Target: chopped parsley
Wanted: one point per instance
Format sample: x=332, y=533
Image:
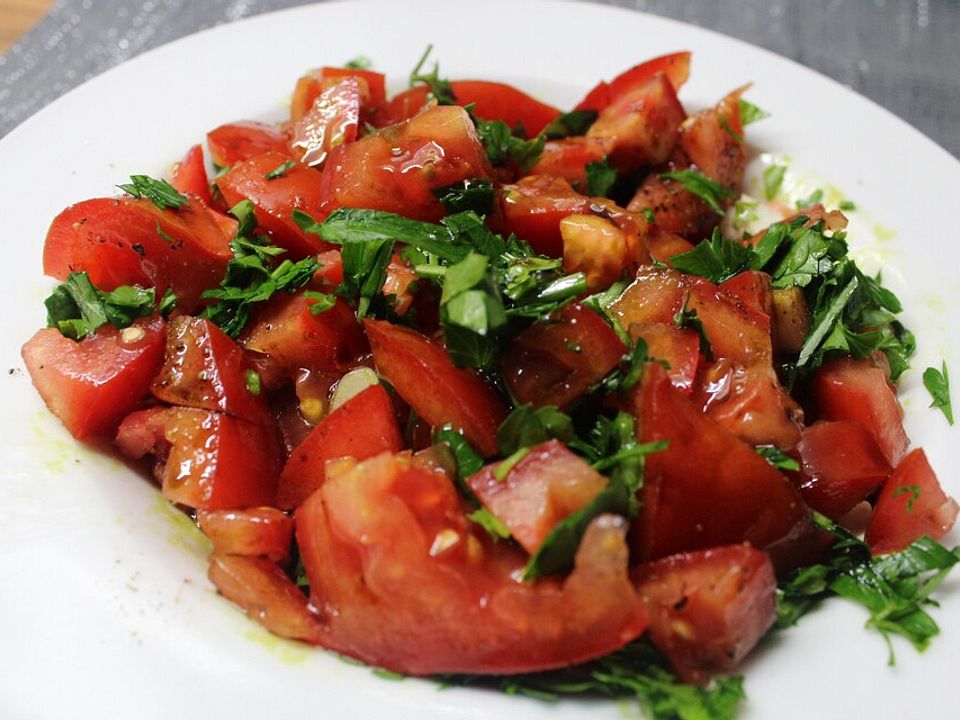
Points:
x=475, y=194
x=77, y=309
x=688, y=319
x=441, y=90
x=253, y=382
x=576, y=122
x=159, y=192
x=777, y=457
x=491, y=523
x=937, y=383
x=600, y=178
x=712, y=193
x=360, y=62
x=717, y=259
x=280, y=170
x=773, y=179
x=750, y=113
x=526, y=426
x=812, y=199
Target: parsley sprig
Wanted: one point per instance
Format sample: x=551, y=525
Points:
x=937, y=383
x=159, y=192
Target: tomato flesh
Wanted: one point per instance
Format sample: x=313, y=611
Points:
x=676, y=66
x=406, y=580
x=205, y=460
x=405, y=358
x=546, y=486
x=708, y=609
x=203, y=368
x=190, y=175
x=90, y=385
x=533, y=208
x=362, y=427
x=239, y=141
x=257, y=532
x=911, y=504
x=333, y=119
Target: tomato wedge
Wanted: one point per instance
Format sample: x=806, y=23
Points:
x=407, y=580
x=262, y=531
x=205, y=460
x=405, y=359
x=333, y=119
x=190, y=175
x=90, y=385
x=708, y=609
x=362, y=427
x=676, y=66
x=235, y=142
x=911, y=504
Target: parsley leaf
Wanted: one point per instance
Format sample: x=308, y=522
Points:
x=712, y=193
x=253, y=275
x=773, y=179
x=468, y=460
x=636, y=670
x=600, y=178
x=77, y=309
x=937, y=383
x=503, y=146
x=280, y=170
x=476, y=194
x=322, y=301
x=440, y=89
x=360, y=62
x=777, y=457
x=159, y=192
x=526, y=426
x=253, y=383
x=688, y=319
x=472, y=313
x=576, y=122
x=490, y=522
x=815, y=197
x=717, y=259
x=750, y=113
x=894, y=588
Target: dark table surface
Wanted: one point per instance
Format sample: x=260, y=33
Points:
x=903, y=54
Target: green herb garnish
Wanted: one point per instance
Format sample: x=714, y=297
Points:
x=159, y=192
x=712, y=193
x=77, y=309
x=937, y=383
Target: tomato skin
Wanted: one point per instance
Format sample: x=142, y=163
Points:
x=117, y=241
x=664, y=245
x=546, y=486
x=407, y=580
x=266, y=594
x=675, y=210
x=190, y=175
x=294, y=337
x=90, y=385
x=753, y=290
x=910, y=505
x=708, y=609
x=533, y=208
x=858, y=390
x=641, y=127
x=709, y=143
x=203, y=368
x=397, y=169
x=299, y=188
x=404, y=358
x=707, y=488
x=680, y=348
x=362, y=427
x=260, y=531
x=554, y=361
x=239, y=141
x=676, y=66
x=205, y=460
x=568, y=158
x=334, y=118
x=842, y=465
x=311, y=85
x=492, y=100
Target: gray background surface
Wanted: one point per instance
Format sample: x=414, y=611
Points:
x=903, y=54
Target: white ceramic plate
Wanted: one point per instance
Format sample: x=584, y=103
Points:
x=105, y=610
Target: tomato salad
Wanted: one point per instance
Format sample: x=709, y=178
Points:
x=460, y=384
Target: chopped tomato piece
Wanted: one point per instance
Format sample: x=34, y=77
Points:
x=205, y=459
x=911, y=504
x=679, y=348
x=753, y=291
x=362, y=427
x=261, y=531
x=554, y=361
x=534, y=207
x=707, y=488
x=332, y=120
x=546, y=486
x=568, y=158
x=190, y=175
x=675, y=209
x=407, y=580
x=405, y=359
x=664, y=245
x=642, y=125
x=90, y=385
x=235, y=142
x=600, y=249
x=204, y=368
x=491, y=101
x=398, y=168
x=287, y=331
x=676, y=66
x=713, y=141
x=748, y=400
x=266, y=594
x=373, y=85
x=842, y=465
x=122, y=241
x=274, y=200
x=858, y=390
x=708, y=609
